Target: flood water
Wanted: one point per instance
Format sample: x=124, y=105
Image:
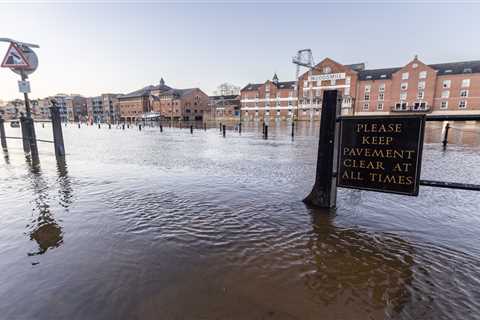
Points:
x=149, y=225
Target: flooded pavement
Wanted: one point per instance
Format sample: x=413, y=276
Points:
x=150, y=225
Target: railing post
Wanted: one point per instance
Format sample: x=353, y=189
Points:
x=324, y=192
x=57, y=132
x=2, y=133
x=445, y=137
x=23, y=125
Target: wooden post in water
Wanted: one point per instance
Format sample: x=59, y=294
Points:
x=140, y=127
x=224, y=130
x=191, y=128
x=23, y=124
x=240, y=128
x=57, y=132
x=324, y=192
x=445, y=137
x=220, y=127
x=265, y=132
x=2, y=134
x=161, y=128
x=205, y=126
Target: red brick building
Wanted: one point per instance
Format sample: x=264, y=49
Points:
x=270, y=100
x=447, y=88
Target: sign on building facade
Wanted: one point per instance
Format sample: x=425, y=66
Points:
x=381, y=153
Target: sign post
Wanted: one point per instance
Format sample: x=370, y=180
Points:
x=324, y=192
x=23, y=61
x=381, y=153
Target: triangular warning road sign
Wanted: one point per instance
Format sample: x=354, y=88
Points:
x=15, y=58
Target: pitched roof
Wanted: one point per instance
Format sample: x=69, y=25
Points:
x=457, y=67
x=376, y=74
x=280, y=85
x=227, y=97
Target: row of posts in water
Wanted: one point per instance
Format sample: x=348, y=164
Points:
x=222, y=127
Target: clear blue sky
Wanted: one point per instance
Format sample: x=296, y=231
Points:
x=98, y=48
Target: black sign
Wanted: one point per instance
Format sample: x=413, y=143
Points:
x=381, y=153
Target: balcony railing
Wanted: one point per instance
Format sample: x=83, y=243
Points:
x=425, y=109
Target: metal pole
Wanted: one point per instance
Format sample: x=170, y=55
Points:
x=57, y=132
x=2, y=133
x=25, y=138
x=445, y=137
x=324, y=191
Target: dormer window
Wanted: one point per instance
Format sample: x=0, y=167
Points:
x=368, y=77
x=405, y=76
x=327, y=70
x=448, y=71
x=467, y=70
x=383, y=76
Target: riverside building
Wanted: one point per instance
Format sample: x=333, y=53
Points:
x=446, y=88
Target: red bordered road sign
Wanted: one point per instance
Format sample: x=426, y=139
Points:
x=15, y=58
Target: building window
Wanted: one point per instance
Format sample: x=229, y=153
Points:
x=403, y=96
x=318, y=92
x=267, y=89
x=367, y=96
x=347, y=91
x=444, y=104
x=421, y=85
x=305, y=84
x=421, y=94
x=446, y=84
x=422, y=74
x=367, y=88
x=445, y=94
x=420, y=106
x=462, y=104
x=401, y=106
x=380, y=106
x=333, y=82
x=405, y=76
x=381, y=96
x=366, y=106
x=381, y=88
x=327, y=70
x=463, y=93
x=465, y=83
x=404, y=86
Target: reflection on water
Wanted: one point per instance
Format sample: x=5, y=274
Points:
x=44, y=229
x=150, y=225
x=371, y=270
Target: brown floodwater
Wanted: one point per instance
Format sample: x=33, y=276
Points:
x=149, y=225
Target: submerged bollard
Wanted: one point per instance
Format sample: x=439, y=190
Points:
x=191, y=129
x=445, y=137
x=205, y=126
x=265, y=135
x=79, y=125
x=23, y=124
x=99, y=126
x=2, y=133
x=140, y=127
x=161, y=128
x=240, y=128
x=224, y=130
x=293, y=129
x=220, y=127
x=43, y=125
x=123, y=126
x=57, y=132
x=109, y=126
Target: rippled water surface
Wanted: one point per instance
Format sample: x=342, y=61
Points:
x=149, y=225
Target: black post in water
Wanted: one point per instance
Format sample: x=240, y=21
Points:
x=109, y=126
x=224, y=130
x=161, y=128
x=263, y=127
x=445, y=137
x=324, y=192
x=265, y=135
x=32, y=140
x=99, y=126
x=57, y=131
x=205, y=126
x=293, y=129
x=220, y=127
x=140, y=127
x=240, y=128
x=23, y=125
x=2, y=134
x=43, y=125
x=191, y=129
